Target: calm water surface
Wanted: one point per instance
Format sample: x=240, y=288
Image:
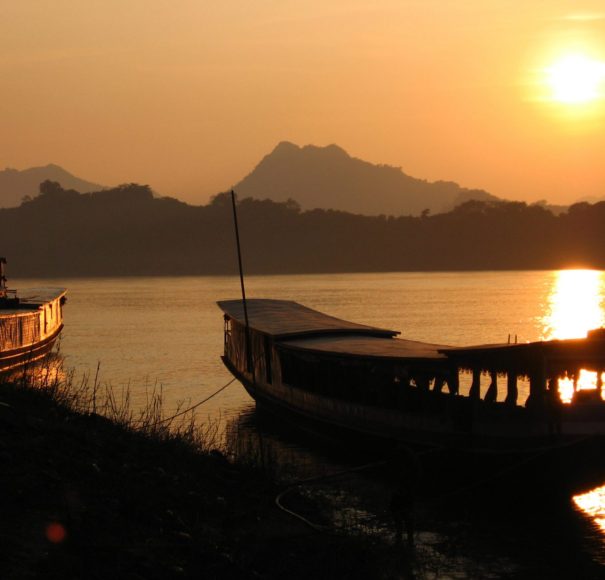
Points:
x=167, y=332
x=149, y=333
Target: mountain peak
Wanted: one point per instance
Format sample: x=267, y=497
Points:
x=285, y=147
x=329, y=178
x=288, y=148
x=15, y=184
x=328, y=149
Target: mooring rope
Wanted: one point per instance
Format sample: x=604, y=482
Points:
x=315, y=479
x=188, y=409
x=316, y=527
x=199, y=404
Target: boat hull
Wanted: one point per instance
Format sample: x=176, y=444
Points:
x=395, y=426
x=366, y=387
x=30, y=323
x=15, y=358
x=576, y=463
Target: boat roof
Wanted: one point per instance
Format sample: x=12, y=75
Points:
x=369, y=347
x=561, y=354
x=32, y=298
x=522, y=358
x=40, y=295
x=285, y=318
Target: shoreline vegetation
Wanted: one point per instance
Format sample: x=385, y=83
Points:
x=93, y=490
x=87, y=235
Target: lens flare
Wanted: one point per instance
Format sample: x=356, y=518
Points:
x=55, y=533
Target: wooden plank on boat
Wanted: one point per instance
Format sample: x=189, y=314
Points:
x=285, y=318
x=369, y=347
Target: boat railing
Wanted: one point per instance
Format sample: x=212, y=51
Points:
x=226, y=335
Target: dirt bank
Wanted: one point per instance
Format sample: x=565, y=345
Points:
x=83, y=497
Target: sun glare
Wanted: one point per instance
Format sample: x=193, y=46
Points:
x=575, y=307
x=574, y=304
x=576, y=79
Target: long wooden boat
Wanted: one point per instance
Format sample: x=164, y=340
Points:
x=31, y=320
x=366, y=382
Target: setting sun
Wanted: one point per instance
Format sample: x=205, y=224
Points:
x=576, y=79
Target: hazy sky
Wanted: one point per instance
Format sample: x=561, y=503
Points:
x=188, y=95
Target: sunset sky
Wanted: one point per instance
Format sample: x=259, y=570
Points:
x=188, y=95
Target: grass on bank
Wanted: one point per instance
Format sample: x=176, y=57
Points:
x=92, y=489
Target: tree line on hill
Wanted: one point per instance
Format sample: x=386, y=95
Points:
x=128, y=231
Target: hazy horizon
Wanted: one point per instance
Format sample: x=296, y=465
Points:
x=188, y=98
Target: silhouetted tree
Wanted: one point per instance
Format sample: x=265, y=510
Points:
x=50, y=187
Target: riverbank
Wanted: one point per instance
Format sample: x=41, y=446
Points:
x=88, y=497
x=114, y=494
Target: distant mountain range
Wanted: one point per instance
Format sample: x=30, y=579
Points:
x=314, y=177
x=329, y=178
x=15, y=184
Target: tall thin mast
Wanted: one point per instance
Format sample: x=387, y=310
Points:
x=241, y=279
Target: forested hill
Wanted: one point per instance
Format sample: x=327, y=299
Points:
x=128, y=231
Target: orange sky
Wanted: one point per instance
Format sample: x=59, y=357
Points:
x=188, y=95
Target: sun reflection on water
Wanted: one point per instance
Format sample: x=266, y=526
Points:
x=592, y=504
x=575, y=306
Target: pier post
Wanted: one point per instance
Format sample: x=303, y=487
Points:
x=552, y=388
x=537, y=389
x=553, y=407
x=475, y=392
x=492, y=392
x=575, y=381
x=512, y=392
x=438, y=384
x=422, y=381
x=453, y=383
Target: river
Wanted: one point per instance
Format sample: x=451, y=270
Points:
x=142, y=334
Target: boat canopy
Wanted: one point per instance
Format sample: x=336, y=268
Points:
x=30, y=299
x=553, y=355
x=369, y=347
x=40, y=295
x=285, y=318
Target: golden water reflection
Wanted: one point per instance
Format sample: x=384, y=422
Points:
x=592, y=504
x=575, y=306
x=42, y=374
